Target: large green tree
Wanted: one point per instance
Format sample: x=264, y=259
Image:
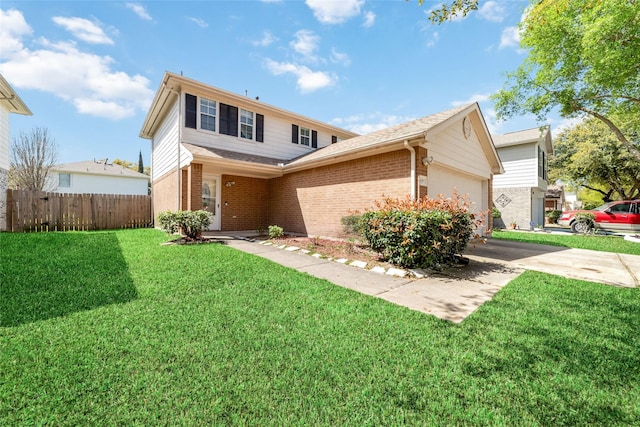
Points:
x=590, y=156
x=583, y=60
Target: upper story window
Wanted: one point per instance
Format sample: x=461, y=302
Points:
x=542, y=164
x=64, y=180
x=246, y=124
x=207, y=114
x=222, y=118
x=305, y=136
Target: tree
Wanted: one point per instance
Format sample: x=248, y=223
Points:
x=590, y=156
x=140, y=164
x=448, y=12
x=583, y=59
x=33, y=156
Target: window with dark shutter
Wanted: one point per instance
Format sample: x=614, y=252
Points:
x=259, y=127
x=314, y=139
x=190, y=110
x=334, y=139
x=294, y=134
x=228, y=120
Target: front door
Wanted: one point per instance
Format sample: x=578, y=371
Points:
x=210, y=199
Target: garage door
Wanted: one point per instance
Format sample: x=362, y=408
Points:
x=443, y=181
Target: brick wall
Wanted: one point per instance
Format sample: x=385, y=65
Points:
x=518, y=209
x=194, y=186
x=313, y=201
x=164, y=192
x=245, y=204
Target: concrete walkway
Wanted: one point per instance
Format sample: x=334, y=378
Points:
x=457, y=292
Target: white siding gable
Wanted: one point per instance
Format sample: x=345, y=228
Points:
x=100, y=184
x=449, y=148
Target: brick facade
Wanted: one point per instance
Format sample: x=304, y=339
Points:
x=164, y=193
x=314, y=201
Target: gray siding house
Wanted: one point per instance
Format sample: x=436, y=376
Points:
x=519, y=192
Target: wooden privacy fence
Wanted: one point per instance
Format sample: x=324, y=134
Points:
x=40, y=211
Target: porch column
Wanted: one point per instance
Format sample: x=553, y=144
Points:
x=194, y=200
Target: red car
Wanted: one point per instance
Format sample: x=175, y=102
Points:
x=623, y=215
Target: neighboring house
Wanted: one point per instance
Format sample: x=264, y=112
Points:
x=10, y=102
x=96, y=177
x=253, y=165
x=519, y=192
x=554, y=198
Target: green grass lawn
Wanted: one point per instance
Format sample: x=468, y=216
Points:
x=604, y=243
x=114, y=328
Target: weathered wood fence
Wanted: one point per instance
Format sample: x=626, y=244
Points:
x=40, y=211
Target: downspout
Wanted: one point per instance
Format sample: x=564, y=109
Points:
x=413, y=168
x=179, y=193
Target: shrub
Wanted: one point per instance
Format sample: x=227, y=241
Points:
x=586, y=217
x=553, y=216
x=189, y=223
x=351, y=224
x=495, y=213
x=420, y=233
x=275, y=232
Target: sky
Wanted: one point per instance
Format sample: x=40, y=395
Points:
x=88, y=70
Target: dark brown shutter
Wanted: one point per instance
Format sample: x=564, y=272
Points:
x=259, y=127
x=334, y=139
x=190, y=110
x=228, y=120
x=314, y=139
x=294, y=134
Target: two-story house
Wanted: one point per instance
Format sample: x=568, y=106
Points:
x=97, y=177
x=10, y=102
x=253, y=165
x=519, y=193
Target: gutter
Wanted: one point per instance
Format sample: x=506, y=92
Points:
x=413, y=168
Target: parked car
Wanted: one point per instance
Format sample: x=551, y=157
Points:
x=623, y=215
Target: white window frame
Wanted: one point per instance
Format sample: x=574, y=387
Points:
x=209, y=105
x=247, y=124
x=305, y=135
x=60, y=180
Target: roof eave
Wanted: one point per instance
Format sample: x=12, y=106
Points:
x=9, y=97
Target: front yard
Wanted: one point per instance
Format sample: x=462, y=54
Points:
x=113, y=328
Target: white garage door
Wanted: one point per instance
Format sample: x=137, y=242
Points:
x=443, y=181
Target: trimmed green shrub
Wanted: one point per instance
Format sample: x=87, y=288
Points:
x=189, y=223
x=351, y=224
x=495, y=213
x=420, y=233
x=553, y=215
x=275, y=232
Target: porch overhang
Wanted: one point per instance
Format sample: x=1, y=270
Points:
x=233, y=163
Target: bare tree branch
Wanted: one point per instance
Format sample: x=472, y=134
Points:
x=33, y=156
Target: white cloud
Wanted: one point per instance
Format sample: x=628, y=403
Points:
x=492, y=11
x=83, y=29
x=198, y=21
x=335, y=11
x=84, y=79
x=12, y=28
x=308, y=80
x=476, y=97
x=139, y=10
x=510, y=38
x=266, y=40
x=557, y=126
x=435, y=36
x=369, y=19
x=340, y=58
x=371, y=122
x=306, y=44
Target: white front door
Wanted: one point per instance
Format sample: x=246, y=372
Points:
x=210, y=199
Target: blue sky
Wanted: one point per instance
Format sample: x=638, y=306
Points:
x=89, y=69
